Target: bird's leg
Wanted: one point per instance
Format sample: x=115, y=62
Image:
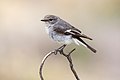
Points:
x=60, y=49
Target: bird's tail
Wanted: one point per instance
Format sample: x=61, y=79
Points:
x=79, y=41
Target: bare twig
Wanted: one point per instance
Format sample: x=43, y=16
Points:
x=42, y=63
x=68, y=56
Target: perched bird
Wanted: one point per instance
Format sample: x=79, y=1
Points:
x=61, y=31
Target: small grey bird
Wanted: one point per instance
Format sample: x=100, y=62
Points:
x=61, y=31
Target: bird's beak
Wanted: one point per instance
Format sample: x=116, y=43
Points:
x=44, y=20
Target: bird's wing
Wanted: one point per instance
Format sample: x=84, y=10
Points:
x=69, y=30
x=59, y=29
x=76, y=33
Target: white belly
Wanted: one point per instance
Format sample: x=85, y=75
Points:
x=65, y=39
x=62, y=38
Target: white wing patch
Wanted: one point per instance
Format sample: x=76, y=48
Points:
x=72, y=31
x=78, y=42
x=68, y=30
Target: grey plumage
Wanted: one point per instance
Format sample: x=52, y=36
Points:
x=61, y=31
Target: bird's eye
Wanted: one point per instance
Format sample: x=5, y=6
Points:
x=50, y=19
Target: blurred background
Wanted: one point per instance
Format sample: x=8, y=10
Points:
x=24, y=42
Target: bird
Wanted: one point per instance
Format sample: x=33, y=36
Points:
x=61, y=31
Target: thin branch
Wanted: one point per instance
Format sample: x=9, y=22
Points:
x=68, y=56
x=42, y=63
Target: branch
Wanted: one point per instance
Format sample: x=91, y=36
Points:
x=68, y=56
x=42, y=63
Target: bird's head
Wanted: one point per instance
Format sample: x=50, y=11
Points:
x=50, y=19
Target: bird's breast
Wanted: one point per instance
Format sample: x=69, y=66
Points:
x=59, y=37
x=47, y=30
